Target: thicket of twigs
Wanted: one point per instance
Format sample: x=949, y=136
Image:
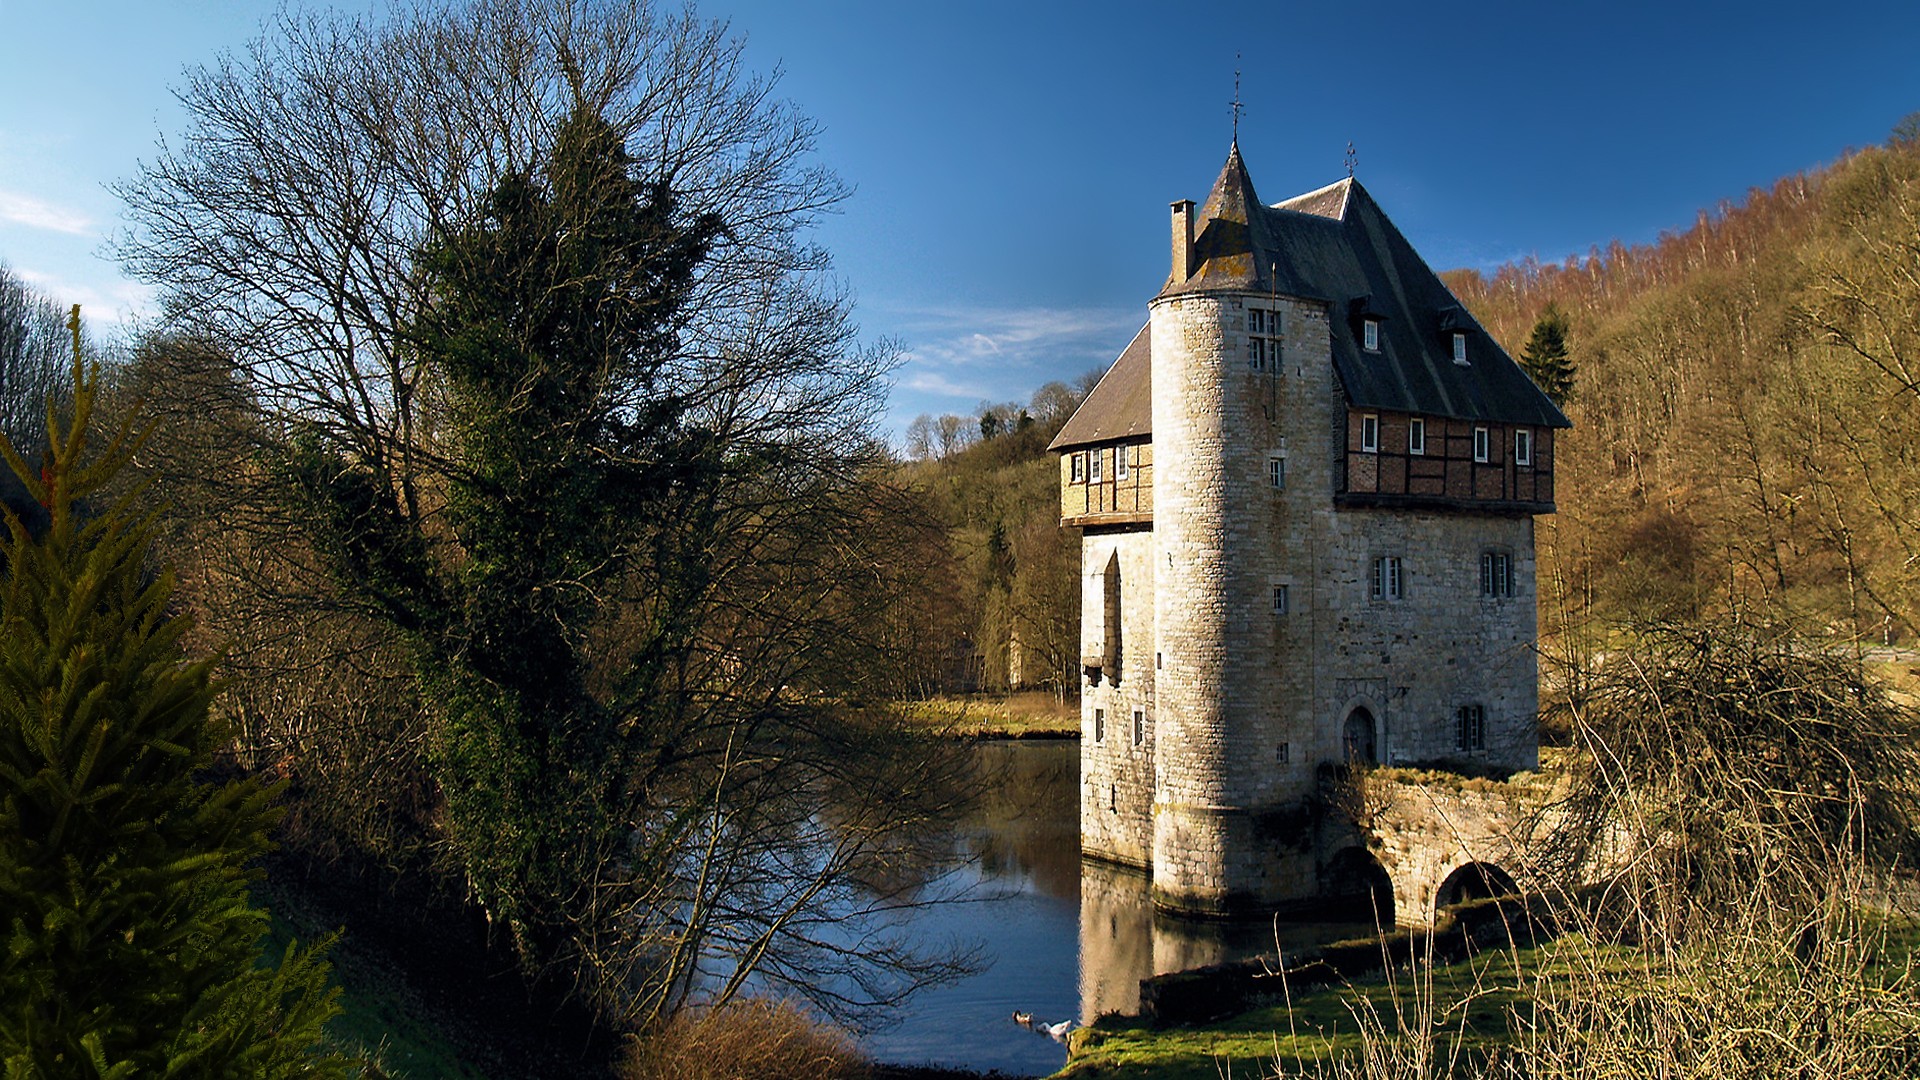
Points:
x=1733, y=843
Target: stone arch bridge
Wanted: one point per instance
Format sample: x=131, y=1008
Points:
x=1425, y=840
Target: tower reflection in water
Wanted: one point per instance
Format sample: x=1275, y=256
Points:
x=1122, y=940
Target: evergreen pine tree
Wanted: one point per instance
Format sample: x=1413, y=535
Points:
x=128, y=946
x=1546, y=357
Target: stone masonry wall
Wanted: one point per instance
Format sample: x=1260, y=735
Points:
x=1116, y=771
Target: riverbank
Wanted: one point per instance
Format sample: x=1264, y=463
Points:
x=1564, y=1002
x=1028, y=714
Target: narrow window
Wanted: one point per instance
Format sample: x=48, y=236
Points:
x=1279, y=599
x=1079, y=467
x=1159, y=661
x=1093, y=465
x=1369, y=434
x=1496, y=574
x=1139, y=726
x=1416, y=436
x=1255, y=352
x=1099, y=725
x=1480, y=446
x=1523, y=446
x=1384, y=580
x=1120, y=456
x=1460, y=349
x=1256, y=321
x=1277, y=473
x=1470, y=728
x=1370, y=334
x=1283, y=753
x=1113, y=796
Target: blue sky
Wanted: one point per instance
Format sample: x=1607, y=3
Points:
x=1013, y=162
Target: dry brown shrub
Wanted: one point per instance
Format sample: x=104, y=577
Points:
x=745, y=1039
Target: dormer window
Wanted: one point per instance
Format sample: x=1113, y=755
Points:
x=1460, y=348
x=1370, y=334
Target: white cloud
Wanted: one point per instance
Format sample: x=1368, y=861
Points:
x=117, y=302
x=998, y=342
x=36, y=214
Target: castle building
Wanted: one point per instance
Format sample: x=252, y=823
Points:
x=1306, y=492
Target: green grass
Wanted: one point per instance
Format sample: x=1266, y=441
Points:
x=1465, y=1004
x=1468, y=1009
x=380, y=1019
x=1029, y=714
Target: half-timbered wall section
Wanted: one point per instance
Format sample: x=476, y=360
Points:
x=1397, y=459
x=1107, y=485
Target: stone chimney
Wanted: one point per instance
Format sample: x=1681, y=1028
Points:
x=1182, y=241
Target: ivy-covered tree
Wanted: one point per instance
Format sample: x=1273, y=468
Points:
x=1546, y=358
x=128, y=945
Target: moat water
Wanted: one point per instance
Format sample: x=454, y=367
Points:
x=1061, y=937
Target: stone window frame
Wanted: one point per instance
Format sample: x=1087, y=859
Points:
x=1470, y=728
x=1277, y=471
x=1139, y=726
x=1417, y=426
x=1099, y=725
x=1369, y=433
x=1386, y=579
x=1282, y=598
x=1496, y=574
x=1523, y=446
x=1482, y=444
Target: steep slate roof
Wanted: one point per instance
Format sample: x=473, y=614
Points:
x=1336, y=244
x=1121, y=404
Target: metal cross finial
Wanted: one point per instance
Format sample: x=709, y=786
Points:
x=1352, y=159
x=1237, y=104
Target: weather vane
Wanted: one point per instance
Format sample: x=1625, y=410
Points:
x=1236, y=103
x=1352, y=159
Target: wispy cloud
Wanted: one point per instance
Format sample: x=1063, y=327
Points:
x=117, y=302
x=958, y=357
x=37, y=214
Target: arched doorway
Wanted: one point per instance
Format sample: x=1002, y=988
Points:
x=1357, y=888
x=1474, y=881
x=1357, y=738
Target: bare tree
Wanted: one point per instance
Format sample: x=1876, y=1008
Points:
x=33, y=338
x=749, y=589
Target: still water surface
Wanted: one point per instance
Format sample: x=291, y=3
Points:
x=1063, y=938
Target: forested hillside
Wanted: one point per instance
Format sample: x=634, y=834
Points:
x=1010, y=600
x=1744, y=405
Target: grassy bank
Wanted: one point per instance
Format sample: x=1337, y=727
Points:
x=1742, y=1007
x=1030, y=714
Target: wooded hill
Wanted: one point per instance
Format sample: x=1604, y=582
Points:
x=1744, y=402
x=1006, y=601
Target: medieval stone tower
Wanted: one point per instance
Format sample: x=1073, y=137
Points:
x=1306, y=492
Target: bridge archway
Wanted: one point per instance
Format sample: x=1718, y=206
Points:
x=1357, y=887
x=1473, y=881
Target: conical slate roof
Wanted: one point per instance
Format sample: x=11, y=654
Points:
x=1335, y=244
